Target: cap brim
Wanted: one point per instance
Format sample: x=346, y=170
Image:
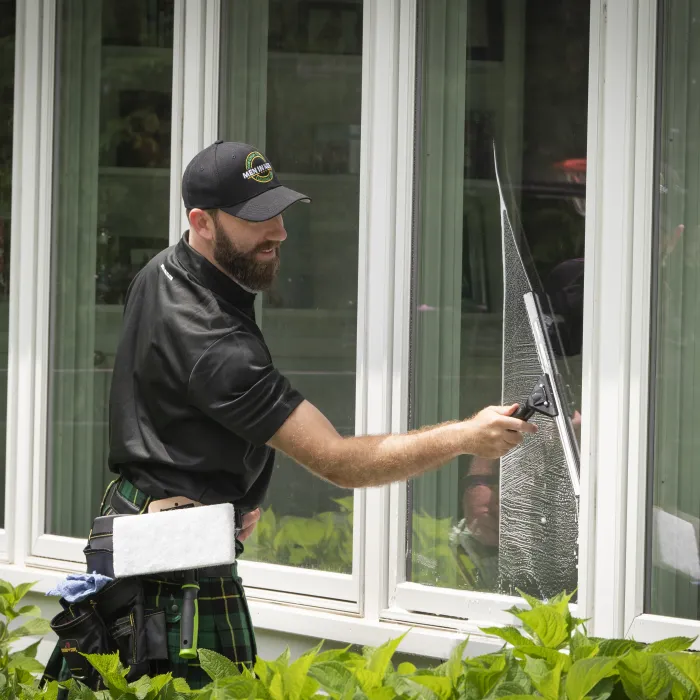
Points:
x=266, y=205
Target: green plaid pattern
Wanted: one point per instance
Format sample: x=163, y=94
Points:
x=225, y=625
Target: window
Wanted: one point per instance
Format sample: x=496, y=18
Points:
x=673, y=515
x=291, y=78
x=7, y=85
x=110, y=215
x=513, y=75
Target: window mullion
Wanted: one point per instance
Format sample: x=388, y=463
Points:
x=380, y=85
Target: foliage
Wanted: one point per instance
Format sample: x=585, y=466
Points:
x=433, y=562
x=323, y=541
x=548, y=654
x=21, y=623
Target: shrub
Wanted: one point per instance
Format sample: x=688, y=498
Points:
x=549, y=655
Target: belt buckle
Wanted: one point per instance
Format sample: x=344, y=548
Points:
x=172, y=503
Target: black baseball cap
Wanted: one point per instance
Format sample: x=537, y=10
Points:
x=237, y=179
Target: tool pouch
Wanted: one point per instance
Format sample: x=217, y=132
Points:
x=113, y=620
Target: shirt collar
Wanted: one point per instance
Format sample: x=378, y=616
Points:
x=213, y=278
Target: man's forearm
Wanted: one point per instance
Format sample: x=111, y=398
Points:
x=308, y=437
x=358, y=462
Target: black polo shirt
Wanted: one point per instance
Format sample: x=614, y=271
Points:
x=194, y=394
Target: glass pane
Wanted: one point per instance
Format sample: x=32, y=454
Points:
x=291, y=86
x=7, y=89
x=673, y=518
x=111, y=204
x=513, y=74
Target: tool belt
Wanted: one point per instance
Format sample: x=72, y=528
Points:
x=115, y=619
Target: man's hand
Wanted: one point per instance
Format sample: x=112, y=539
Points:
x=250, y=520
x=493, y=432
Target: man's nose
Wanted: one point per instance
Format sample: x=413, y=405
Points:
x=277, y=232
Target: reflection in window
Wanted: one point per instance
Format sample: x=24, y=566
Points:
x=7, y=89
x=296, y=97
x=111, y=205
x=516, y=73
x=673, y=516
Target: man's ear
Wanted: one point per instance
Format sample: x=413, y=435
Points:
x=201, y=223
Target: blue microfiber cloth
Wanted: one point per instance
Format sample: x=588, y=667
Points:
x=77, y=587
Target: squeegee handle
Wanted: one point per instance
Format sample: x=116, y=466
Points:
x=189, y=621
x=523, y=412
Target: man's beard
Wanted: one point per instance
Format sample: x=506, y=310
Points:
x=243, y=267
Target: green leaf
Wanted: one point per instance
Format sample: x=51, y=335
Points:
x=78, y=691
x=108, y=666
x=688, y=665
x=454, y=664
x=336, y=655
x=31, y=650
x=530, y=600
x=616, y=647
x=584, y=675
x=282, y=660
x=264, y=671
x=22, y=590
x=406, y=669
x=407, y=687
x=275, y=688
x=551, y=656
x=35, y=626
x=20, y=662
x=644, y=676
x=605, y=690
x=664, y=646
x=547, y=680
x=507, y=690
x=547, y=624
x=581, y=647
x=485, y=680
x=295, y=676
x=381, y=658
x=510, y=634
x=30, y=610
x=217, y=666
x=333, y=676
x=440, y=686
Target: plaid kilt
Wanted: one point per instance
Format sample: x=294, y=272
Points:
x=225, y=625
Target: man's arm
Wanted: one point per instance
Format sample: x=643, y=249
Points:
x=357, y=462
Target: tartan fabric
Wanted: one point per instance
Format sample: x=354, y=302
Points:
x=131, y=493
x=225, y=625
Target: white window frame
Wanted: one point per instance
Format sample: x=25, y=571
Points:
x=409, y=600
x=643, y=626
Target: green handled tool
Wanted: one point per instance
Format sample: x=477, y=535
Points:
x=189, y=617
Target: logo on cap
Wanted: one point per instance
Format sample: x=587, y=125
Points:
x=258, y=171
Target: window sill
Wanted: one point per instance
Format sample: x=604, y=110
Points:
x=293, y=618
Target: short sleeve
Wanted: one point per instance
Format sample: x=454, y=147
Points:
x=235, y=383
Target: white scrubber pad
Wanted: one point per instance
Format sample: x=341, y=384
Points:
x=175, y=540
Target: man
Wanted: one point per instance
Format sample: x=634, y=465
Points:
x=197, y=408
x=474, y=540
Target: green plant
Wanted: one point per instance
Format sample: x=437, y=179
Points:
x=323, y=541
x=20, y=623
x=550, y=655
